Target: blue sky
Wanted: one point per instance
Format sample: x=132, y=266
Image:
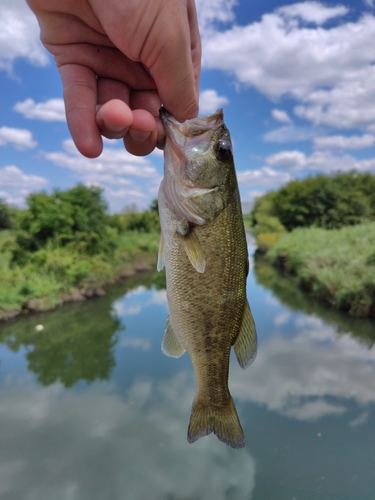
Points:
x=296, y=81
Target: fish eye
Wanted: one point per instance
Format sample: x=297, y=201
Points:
x=223, y=150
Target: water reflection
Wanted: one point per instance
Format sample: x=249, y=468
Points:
x=288, y=293
x=90, y=408
x=77, y=341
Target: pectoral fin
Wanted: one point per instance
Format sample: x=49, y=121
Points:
x=246, y=343
x=170, y=345
x=161, y=255
x=194, y=250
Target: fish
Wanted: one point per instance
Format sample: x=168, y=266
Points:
x=204, y=251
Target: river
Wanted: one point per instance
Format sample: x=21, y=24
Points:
x=91, y=409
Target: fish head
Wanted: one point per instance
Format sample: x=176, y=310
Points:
x=199, y=173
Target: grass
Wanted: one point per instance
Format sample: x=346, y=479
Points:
x=337, y=266
x=57, y=274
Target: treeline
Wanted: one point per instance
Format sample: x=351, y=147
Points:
x=321, y=230
x=329, y=202
x=65, y=245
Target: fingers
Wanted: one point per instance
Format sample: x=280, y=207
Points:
x=142, y=135
x=175, y=64
x=80, y=96
x=113, y=115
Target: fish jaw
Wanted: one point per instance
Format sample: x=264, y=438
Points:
x=184, y=143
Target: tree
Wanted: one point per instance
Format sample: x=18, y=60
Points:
x=77, y=216
x=6, y=220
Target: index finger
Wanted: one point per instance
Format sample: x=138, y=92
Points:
x=80, y=97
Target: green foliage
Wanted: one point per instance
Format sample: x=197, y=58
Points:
x=154, y=206
x=66, y=243
x=75, y=218
x=266, y=226
x=330, y=202
x=6, y=216
x=335, y=265
x=144, y=222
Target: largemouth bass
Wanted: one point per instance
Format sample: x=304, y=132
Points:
x=203, y=247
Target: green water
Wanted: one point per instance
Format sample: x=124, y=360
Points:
x=91, y=409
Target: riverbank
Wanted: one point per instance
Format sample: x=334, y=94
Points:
x=336, y=266
x=59, y=275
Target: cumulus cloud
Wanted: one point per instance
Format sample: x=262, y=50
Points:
x=19, y=138
x=292, y=160
x=281, y=116
x=319, y=161
x=125, y=178
x=329, y=70
x=12, y=176
x=345, y=142
x=213, y=12
x=210, y=101
x=265, y=177
x=19, y=35
x=48, y=111
x=312, y=12
x=290, y=133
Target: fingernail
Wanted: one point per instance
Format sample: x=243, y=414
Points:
x=139, y=135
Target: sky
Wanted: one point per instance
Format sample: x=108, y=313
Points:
x=296, y=81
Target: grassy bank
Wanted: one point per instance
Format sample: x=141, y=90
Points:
x=56, y=275
x=337, y=265
x=65, y=247
x=321, y=231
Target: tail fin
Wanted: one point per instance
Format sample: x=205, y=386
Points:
x=222, y=421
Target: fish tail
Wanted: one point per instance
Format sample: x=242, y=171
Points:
x=221, y=420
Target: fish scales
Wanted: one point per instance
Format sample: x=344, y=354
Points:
x=207, y=301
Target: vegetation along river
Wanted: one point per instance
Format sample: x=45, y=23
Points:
x=90, y=409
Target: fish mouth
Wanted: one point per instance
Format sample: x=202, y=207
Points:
x=179, y=132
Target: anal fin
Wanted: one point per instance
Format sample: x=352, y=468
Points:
x=170, y=345
x=246, y=344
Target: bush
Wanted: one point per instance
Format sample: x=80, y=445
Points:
x=75, y=218
x=330, y=202
x=6, y=219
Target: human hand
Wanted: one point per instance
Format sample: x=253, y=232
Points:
x=119, y=60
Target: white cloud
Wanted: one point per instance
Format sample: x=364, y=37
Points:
x=211, y=12
x=281, y=116
x=312, y=12
x=17, y=137
x=125, y=178
x=265, y=177
x=290, y=133
x=292, y=160
x=19, y=35
x=345, y=142
x=329, y=71
x=210, y=101
x=12, y=176
x=320, y=161
x=49, y=111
